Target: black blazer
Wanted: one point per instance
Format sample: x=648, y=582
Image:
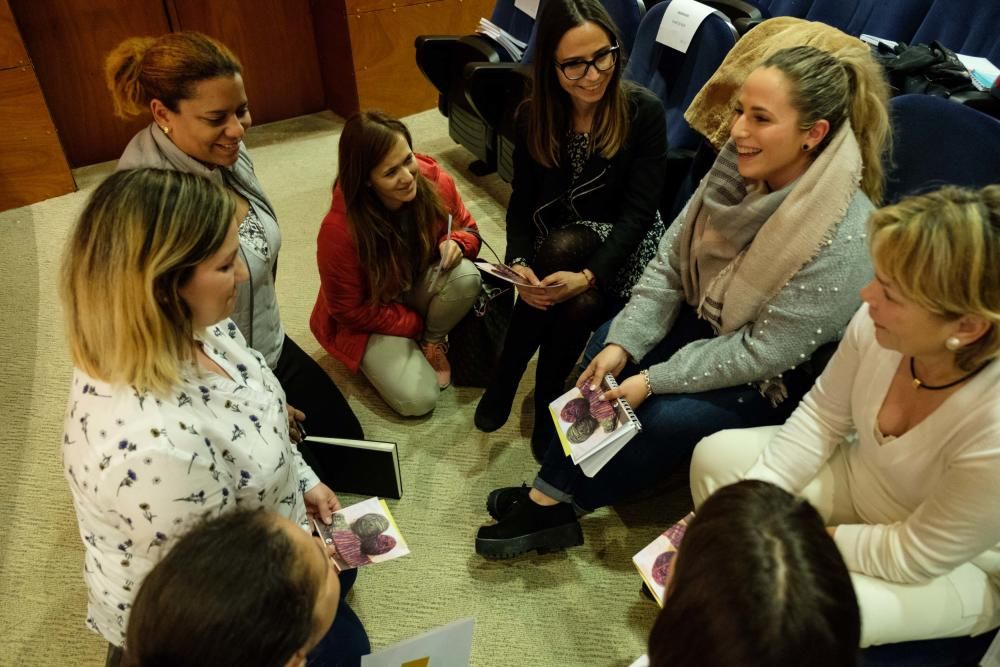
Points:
x=624, y=190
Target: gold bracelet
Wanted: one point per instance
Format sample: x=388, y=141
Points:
x=649, y=387
x=591, y=278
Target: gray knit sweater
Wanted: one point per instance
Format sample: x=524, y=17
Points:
x=812, y=309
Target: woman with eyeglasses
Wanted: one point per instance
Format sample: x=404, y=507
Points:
x=589, y=166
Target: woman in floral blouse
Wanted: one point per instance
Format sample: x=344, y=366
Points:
x=171, y=416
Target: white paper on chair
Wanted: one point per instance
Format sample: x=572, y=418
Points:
x=680, y=22
x=447, y=646
x=529, y=7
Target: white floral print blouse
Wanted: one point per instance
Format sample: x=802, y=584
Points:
x=142, y=468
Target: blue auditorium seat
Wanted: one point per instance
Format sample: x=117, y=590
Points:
x=938, y=142
x=677, y=77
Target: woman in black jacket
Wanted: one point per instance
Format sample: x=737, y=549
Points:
x=582, y=222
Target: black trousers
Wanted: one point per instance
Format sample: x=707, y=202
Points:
x=309, y=389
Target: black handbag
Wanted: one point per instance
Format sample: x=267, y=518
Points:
x=474, y=344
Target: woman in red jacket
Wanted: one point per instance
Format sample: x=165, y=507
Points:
x=392, y=263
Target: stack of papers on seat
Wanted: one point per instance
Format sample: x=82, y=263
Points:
x=514, y=46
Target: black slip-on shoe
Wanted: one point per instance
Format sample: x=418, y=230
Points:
x=530, y=527
x=501, y=501
x=494, y=407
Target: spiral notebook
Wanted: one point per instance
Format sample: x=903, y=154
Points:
x=592, y=430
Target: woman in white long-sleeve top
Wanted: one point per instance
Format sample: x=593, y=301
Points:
x=171, y=417
x=898, y=443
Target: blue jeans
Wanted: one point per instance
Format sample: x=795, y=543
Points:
x=950, y=652
x=672, y=424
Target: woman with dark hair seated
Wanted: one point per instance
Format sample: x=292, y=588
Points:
x=246, y=588
x=589, y=165
x=394, y=255
x=898, y=442
x=757, y=581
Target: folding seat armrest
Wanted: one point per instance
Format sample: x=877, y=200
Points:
x=439, y=56
x=736, y=10
x=490, y=87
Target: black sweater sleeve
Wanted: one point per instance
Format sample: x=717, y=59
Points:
x=644, y=170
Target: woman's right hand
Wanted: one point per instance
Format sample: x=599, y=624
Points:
x=611, y=359
x=536, y=298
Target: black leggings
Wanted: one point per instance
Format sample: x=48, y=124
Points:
x=560, y=333
x=309, y=389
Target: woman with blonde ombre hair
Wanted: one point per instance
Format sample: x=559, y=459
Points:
x=898, y=442
x=171, y=416
x=192, y=88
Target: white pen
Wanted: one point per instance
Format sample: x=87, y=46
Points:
x=437, y=271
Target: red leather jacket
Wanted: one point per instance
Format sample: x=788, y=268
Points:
x=344, y=316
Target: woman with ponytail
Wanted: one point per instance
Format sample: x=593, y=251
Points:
x=192, y=86
x=761, y=268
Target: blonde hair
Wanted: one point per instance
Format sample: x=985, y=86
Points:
x=135, y=245
x=837, y=88
x=940, y=250
x=166, y=68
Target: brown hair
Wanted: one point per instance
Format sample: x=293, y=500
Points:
x=848, y=87
x=757, y=581
x=166, y=68
x=138, y=241
x=941, y=249
x=548, y=108
x=232, y=591
x=379, y=233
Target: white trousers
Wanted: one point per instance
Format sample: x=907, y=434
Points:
x=960, y=603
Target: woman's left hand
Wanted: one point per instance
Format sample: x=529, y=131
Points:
x=570, y=284
x=295, y=418
x=321, y=502
x=633, y=389
x=451, y=254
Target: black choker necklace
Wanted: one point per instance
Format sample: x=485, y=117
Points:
x=918, y=384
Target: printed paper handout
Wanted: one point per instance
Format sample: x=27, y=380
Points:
x=657, y=558
x=504, y=272
x=592, y=430
x=447, y=646
x=363, y=534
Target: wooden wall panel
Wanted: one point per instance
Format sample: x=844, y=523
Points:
x=67, y=41
x=275, y=41
x=384, y=56
x=32, y=165
x=12, y=53
x=336, y=61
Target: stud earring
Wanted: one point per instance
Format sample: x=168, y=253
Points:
x=952, y=343
x=805, y=147
x=166, y=130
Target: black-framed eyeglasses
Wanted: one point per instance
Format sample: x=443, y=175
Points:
x=602, y=62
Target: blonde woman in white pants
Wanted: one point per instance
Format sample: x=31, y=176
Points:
x=898, y=443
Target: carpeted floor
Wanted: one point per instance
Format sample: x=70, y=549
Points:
x=580, y=607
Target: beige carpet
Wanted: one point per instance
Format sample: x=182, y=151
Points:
x=581, y=607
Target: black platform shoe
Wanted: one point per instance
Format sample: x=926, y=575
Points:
x=502, y=500
x=530, y=527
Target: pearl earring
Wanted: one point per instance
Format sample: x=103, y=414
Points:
x=952, y=343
